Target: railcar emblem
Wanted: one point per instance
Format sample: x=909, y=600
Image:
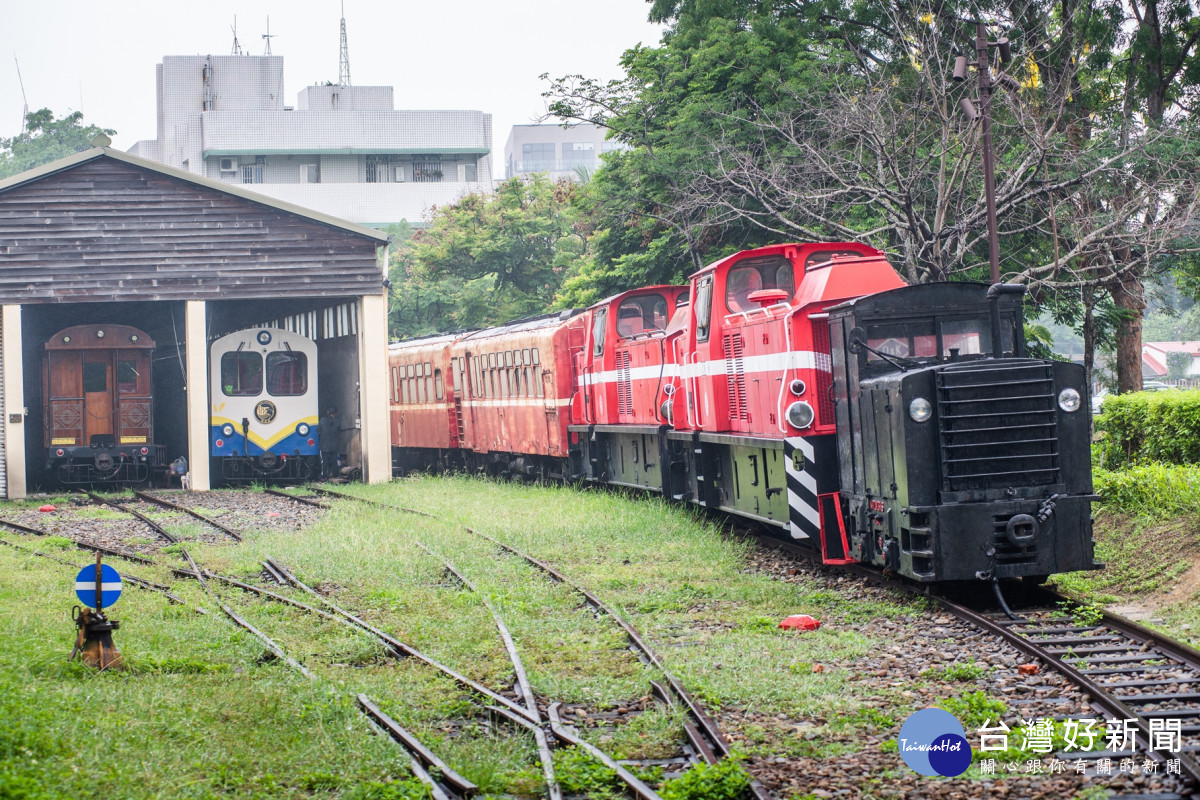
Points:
x=265, y=412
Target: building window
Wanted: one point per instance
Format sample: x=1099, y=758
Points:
x=310, y=173
x=537, y=157
x=469, y=173
x=427, y=169
x=578, y=154
x=252, y=173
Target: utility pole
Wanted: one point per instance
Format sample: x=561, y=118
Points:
x=986, y=87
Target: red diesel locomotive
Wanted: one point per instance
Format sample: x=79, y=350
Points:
x=801, y=385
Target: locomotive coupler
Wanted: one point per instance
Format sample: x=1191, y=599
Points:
x=1047, y=508
x=94, y=642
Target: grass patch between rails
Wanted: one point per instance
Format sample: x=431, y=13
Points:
x=200, y=693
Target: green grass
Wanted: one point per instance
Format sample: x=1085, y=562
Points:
x=200, y=693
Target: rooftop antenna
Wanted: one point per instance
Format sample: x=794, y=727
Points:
x=344, y=55
x=236, y=50
x=268, y=36
x=24, y=99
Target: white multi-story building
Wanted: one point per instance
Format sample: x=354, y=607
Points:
x=341, y=150
x=558, y=151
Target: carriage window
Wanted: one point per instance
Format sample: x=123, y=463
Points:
x=538, y=389
x=127, y=377
x=241, y=374
x=95, y=376
x=525, y=356
x=287, y=374
x=536, y=360
x=420, y=386
x=439, y=389
x=404, y=392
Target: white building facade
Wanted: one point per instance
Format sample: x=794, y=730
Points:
x=560, y=152
x=341, y=150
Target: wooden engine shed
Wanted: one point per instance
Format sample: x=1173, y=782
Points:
x=103, y=238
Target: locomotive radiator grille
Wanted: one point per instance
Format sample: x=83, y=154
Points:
x=624, y=384
x=998, y=426
x=735, y=374
x=824, y=372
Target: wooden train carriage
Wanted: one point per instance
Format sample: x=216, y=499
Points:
x=518, y=381
x=425, y=407
x=98, y=405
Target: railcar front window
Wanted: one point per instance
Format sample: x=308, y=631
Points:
x=287, y=374
x=241, y=374
x=750, y=275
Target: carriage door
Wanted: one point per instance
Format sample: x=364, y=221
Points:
x=97, y=394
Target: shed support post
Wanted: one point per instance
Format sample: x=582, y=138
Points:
x=373, y=388
x=196, y=359
x=12, y=367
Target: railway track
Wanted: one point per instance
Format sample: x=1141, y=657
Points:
x=703, y=734
x=1132, y=674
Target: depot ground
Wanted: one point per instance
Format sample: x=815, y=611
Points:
x=203, y=711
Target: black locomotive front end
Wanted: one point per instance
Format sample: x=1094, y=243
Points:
x=961, y=458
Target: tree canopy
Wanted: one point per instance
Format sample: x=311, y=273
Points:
x=46, y=139
x=486, y=259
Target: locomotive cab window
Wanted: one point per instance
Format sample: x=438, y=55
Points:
x=638, y=315
x=241, y=374
x=914, y=338
x=287, y=374
x=703, y=307
x=598, y=332
x=753, y=274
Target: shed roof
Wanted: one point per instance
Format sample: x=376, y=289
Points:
x=104, y=225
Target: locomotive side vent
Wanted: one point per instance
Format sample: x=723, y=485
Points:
x=1006, y=551
x=624, y=384
x=735, y=374
x=998, y=426
x=824, y=373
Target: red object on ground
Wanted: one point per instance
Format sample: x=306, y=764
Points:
x=1027, y=669
x=47, y=507
x=800, y=622
x=272, y=513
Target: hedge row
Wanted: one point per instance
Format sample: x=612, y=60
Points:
x=1154, y=490
x=1149, y=427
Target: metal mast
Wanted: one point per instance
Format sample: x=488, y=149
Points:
x=344, y=55
x=268, y=36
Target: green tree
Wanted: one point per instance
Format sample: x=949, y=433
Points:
x=46, y=139
x=487, y=259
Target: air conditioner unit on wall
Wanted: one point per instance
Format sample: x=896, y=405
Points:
x=229, y=165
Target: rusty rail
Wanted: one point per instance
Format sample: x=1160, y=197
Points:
x=149, y=498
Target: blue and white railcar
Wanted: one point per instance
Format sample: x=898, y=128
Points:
x=263, y=392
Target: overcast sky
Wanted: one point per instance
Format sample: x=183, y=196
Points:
x=99, y=58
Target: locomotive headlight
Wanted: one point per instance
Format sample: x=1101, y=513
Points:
x=227, y=429
x=920, y=409
x=797, y=387
x=800, y=415
x=1069, y=400
x=302, y=429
